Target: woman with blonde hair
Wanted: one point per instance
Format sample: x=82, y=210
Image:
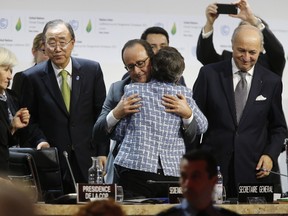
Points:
x=11, y=117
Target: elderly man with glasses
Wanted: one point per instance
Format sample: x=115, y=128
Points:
x=137, y=55
x=65, y=96
x=158, y=38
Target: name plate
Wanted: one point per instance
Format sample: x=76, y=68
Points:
x=90, y=192
x=255, y=193
x=175, y=193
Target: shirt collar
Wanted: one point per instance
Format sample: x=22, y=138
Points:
x=188, y=209
x=68, y=68
x=235, y=69
x=3, y=96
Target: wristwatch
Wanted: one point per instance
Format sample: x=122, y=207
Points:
x=259, y=24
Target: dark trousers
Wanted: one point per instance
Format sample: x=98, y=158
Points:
x=231, y=188
x=135, y=183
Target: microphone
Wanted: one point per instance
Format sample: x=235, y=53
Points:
x=70, y=170
x=273, y=172
x=162, y=182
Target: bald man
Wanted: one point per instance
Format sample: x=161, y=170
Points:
x=246, y=144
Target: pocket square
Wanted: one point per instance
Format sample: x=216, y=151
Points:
x=261, y=98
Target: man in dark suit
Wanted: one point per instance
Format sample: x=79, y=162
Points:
x=65, y=108
x=198, y=176
x=246, y=149
x=274, y=56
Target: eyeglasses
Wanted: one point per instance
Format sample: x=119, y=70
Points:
x=139, y=64
x=62, y=44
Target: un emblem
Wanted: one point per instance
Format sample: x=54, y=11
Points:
x=3, y=23
x=225, y=30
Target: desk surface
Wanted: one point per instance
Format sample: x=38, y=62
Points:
x=148, y=209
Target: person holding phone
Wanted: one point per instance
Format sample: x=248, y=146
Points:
x=273, y=58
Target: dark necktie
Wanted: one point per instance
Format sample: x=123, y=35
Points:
x=65, y=89
x=241, y=95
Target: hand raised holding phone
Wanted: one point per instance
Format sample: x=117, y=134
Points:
x=226, y=9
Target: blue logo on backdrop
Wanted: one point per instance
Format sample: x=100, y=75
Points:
x=74, y=24
x=193, y=50
x=3, y=23
x=159, y=24
x=225, y=30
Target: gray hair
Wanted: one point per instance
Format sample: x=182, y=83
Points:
x=57, y=22
x=7, y=58
x=240, y=27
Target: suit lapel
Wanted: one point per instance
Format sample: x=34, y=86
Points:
x=50, y=81
x=77, y=77
x=226, y=79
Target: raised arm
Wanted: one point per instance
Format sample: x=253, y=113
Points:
x=274, y=56
x=205, y=50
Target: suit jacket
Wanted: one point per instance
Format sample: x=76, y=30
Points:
x=100, y=131
x=185, y=209
x=115, y=93
x=66, y=131
x=262, y=127
x=17, y=83
x=175, y=211
x=273, y=59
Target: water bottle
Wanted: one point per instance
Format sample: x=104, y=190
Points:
x=95, y=172
x=218, y=189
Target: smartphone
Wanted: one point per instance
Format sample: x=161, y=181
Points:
x=227, y=9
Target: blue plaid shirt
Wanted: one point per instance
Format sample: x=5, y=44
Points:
x=153, y=133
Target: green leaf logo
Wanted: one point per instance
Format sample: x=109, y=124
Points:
x=18, y=25
x=89, y=26
x=173, y=30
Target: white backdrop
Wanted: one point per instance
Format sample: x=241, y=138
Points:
x=102, y=28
